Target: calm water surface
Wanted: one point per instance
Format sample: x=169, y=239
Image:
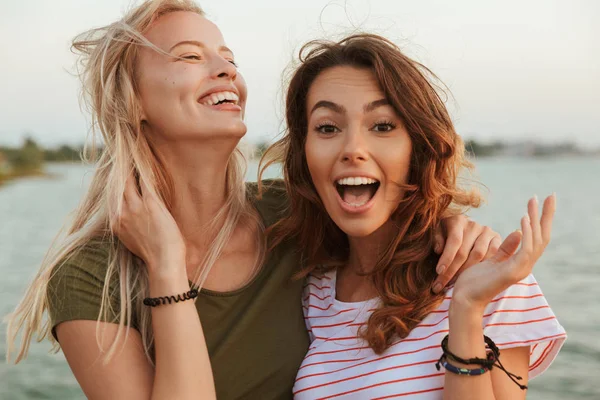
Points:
x=33, y=210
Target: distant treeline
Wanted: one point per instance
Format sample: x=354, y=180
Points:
x=526, y=149
x=29, y=159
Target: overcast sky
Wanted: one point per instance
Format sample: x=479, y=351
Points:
x=517, y=69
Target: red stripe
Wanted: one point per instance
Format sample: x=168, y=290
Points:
x=542, y=356
x=526, y=284
x=560, y=335
x=317, y=287
x=332, y=325
x=517, y=297
x=321, y=277
x=437, y=346
x=333, y=315
x=335, y=339
x=446, y=317
x=318, y=308
x=522, y=323
x=545, y=354
x=524, y=310
x=365, y=374
x=314, y=295
x=506, y=297
x=384, y=383
x=333, y=351
x=403, y=340
x=533, y=349
x=331, y=362
x=409, y=393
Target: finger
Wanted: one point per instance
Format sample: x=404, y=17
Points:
x=547, y=217
x=480, y=248
x=536, y=229
x=438, y=240
x=508, y=247
x=494, y=246
x=451, y=247
x=448, y=274
x=470, y=236
x=524, y=255
x=131, y=195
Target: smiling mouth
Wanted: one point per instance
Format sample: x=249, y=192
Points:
x=219, y=98
x=357, y=191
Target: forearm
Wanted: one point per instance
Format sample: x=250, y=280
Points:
x=466, y=341
x=183, y=369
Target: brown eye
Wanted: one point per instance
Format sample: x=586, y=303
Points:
x=192, y=57
x=384, y=127
x=327, y=129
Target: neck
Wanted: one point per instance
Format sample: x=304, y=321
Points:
x=199, y=178
x=366, y=250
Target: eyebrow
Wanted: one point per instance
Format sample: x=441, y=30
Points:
x=199, y=44
x=342, y=110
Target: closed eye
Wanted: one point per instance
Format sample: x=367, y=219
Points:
x=192, y=57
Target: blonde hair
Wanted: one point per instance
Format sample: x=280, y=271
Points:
x=106, y=66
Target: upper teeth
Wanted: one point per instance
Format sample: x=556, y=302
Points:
x=359, y=180
x=214, y=98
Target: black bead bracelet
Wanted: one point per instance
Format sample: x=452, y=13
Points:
x=157, y=301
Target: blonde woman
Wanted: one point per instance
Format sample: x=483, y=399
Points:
x=168, y=212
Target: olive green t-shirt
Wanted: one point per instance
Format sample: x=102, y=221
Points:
x=256, y=335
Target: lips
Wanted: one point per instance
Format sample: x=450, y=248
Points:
x=221, y=98
x=356, y=192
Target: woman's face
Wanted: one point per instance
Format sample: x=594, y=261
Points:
x=357, y=149
x=203, y=95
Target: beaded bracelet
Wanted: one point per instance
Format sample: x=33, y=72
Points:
x=492, y=360
x=460, y=371
x=156, y=301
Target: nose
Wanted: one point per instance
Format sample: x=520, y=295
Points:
x=355, y=148
x=222, y=68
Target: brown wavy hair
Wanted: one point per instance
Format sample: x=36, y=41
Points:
x=405, y=271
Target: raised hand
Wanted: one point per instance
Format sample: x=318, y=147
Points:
x=148, y=229
x=478, y=285
x=466, y=244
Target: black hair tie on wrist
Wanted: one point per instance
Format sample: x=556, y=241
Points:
x=492, y=360
x=157, y=301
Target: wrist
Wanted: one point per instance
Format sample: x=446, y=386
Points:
x=464, y=305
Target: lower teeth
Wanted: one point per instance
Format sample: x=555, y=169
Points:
x=357, y=204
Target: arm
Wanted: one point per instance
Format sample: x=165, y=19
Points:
x=466, y=339
x=182, y=368
x=474, y=289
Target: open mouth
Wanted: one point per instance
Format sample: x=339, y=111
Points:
x=218, y=98
x=357, y=191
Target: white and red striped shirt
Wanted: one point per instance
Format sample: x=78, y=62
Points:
x=341, y=365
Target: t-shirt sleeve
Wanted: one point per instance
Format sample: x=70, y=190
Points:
x=75, y=287
x=520, y=316
x=272, y=200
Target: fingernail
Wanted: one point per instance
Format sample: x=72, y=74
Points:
x=440, y=269
x=526, y=217
x=437, y=287
x=535, y=198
